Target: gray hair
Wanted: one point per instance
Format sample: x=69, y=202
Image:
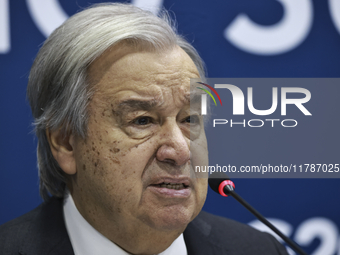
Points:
x=58, y=87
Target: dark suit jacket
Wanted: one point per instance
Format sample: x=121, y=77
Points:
x=43, y=232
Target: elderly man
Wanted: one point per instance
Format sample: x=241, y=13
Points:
x=117, y=144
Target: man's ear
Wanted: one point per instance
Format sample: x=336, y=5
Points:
x=62, y=148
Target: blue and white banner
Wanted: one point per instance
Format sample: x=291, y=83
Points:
x=236, y=39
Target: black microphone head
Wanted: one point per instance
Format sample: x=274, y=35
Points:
x=215, y=179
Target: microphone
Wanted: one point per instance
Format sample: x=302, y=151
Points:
x=221, y=184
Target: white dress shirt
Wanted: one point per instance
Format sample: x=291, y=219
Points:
x=86, y=240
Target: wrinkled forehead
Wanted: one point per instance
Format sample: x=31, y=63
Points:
x=128, y=72
x=149, y=58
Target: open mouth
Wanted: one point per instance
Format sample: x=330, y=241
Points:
x=169, y=185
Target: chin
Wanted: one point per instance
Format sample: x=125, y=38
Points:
x=174, y=218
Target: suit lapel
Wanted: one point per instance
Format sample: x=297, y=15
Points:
x=199, y=241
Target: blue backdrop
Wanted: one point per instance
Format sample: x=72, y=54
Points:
x=244, y=38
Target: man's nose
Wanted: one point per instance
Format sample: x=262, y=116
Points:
x=174, y=146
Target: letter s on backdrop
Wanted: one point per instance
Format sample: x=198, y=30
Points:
x=279, y=38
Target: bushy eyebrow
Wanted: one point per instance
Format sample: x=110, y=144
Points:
x=131, y=105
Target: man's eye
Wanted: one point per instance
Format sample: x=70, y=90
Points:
x=193, y=119
x=142, y=121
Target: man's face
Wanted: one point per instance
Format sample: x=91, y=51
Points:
x=135, y=169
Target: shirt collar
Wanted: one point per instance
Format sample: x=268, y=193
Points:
x=86, y=240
